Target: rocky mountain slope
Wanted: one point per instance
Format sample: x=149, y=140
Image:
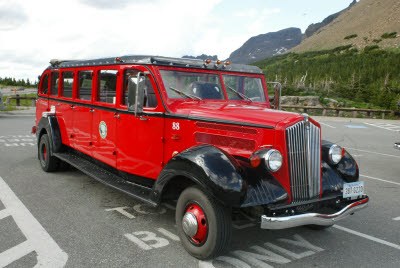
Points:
x=266, y=45
x=314, y=27
x=360, y=26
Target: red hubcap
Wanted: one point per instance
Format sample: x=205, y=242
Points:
x=44, y=153
x=201, y=234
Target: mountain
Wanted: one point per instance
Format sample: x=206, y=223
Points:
x=202, y=57
x=266, y=45
x=314, y=27
x=366, y=23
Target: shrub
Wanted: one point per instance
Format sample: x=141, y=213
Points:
x=377, y=41
x=351, y=36
x=370, y=48
x=389, y=35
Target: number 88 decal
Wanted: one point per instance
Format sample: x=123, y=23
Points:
x=175, y=125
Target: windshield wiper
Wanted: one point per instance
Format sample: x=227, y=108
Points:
x=185, y=94
x=240, y=94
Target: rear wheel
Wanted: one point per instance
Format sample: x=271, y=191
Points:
x=204, y=225
x=47, y=161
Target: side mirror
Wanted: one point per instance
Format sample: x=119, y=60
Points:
x=277, y=94
x=136, y=93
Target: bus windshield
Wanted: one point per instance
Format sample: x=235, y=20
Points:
x=198, y=85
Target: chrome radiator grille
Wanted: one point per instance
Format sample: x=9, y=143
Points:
x=304, y=149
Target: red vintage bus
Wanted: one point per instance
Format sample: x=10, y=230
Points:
x=200, y=132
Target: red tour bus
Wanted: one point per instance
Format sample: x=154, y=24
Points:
x=200, y=132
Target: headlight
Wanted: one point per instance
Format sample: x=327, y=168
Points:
x=273, y=160
x=335, y=154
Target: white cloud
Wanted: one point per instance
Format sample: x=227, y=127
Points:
x=77, y=29
x=267, y=11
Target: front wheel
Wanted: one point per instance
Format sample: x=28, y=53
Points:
x=47, y=161
x=204, y=225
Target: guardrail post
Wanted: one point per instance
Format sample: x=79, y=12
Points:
x=33, y=102
x=17, y=100
x=337, y=112
x=305, y=110
x=369, y=114
x=355, y=114
x=8, y=101
x=383, y=115
x=324, y=112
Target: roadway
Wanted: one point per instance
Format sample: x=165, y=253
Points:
x=68, y=219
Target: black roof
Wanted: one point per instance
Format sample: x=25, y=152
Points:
x=155, y=60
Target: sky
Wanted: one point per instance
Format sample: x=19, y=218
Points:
x=34, y=32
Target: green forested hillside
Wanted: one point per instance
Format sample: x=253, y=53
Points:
x=371, y=75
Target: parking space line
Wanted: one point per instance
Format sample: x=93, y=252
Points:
x=396, y=219
x=385, y=126
x=10, y=255
x=372, y=152
x=326, y=125
x=369, y=237
x=397, y=183
x=4, y=213
x=49, y=254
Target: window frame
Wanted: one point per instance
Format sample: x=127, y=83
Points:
x=42, y=77
x=51, y=83
x=77, y=89
x=62, y=84
x=97, y=86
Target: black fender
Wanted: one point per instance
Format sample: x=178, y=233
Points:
x=215, y=171
x=333, y=176
x=230, y=180
x=50, y=125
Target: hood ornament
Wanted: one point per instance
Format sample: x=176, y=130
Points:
x=306, y=121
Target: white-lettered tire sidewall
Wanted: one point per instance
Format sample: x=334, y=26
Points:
x=217, y=240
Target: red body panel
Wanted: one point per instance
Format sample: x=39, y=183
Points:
x=143, y=145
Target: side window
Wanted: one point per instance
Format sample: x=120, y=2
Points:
x=44, y=86
x=107, y=86
x=68, y=82
x=54, y=83
x=150, y=98
x=84, y=91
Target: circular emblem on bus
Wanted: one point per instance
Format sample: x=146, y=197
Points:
x=103, y=129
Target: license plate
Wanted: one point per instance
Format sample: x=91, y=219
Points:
x=353, y=189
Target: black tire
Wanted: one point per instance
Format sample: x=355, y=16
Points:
x=219, y=224
x=48, y=162
x=318, y=227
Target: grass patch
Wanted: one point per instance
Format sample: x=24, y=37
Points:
x=26, y=103
x=389, y=35
x=351, y=36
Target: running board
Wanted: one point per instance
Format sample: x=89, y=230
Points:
x=137, y=191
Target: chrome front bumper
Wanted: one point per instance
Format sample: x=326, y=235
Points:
x=397, y=145
x=312, y=218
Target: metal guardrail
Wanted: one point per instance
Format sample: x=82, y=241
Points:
x=18, y=99
x=340, y=110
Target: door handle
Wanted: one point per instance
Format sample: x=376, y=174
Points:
x=143, y=118
x=72, y=107
x=91, y=110
x=116, y=115
x=57, y=104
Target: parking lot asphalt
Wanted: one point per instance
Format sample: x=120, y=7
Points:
x=68, y=219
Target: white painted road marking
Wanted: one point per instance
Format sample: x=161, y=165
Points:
x=261, y=257
x=372, y=152
x=326, y=125
x=385, y=126
x=369, y=237
x=397, y=183
x=396, y=219
x=49, y=254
